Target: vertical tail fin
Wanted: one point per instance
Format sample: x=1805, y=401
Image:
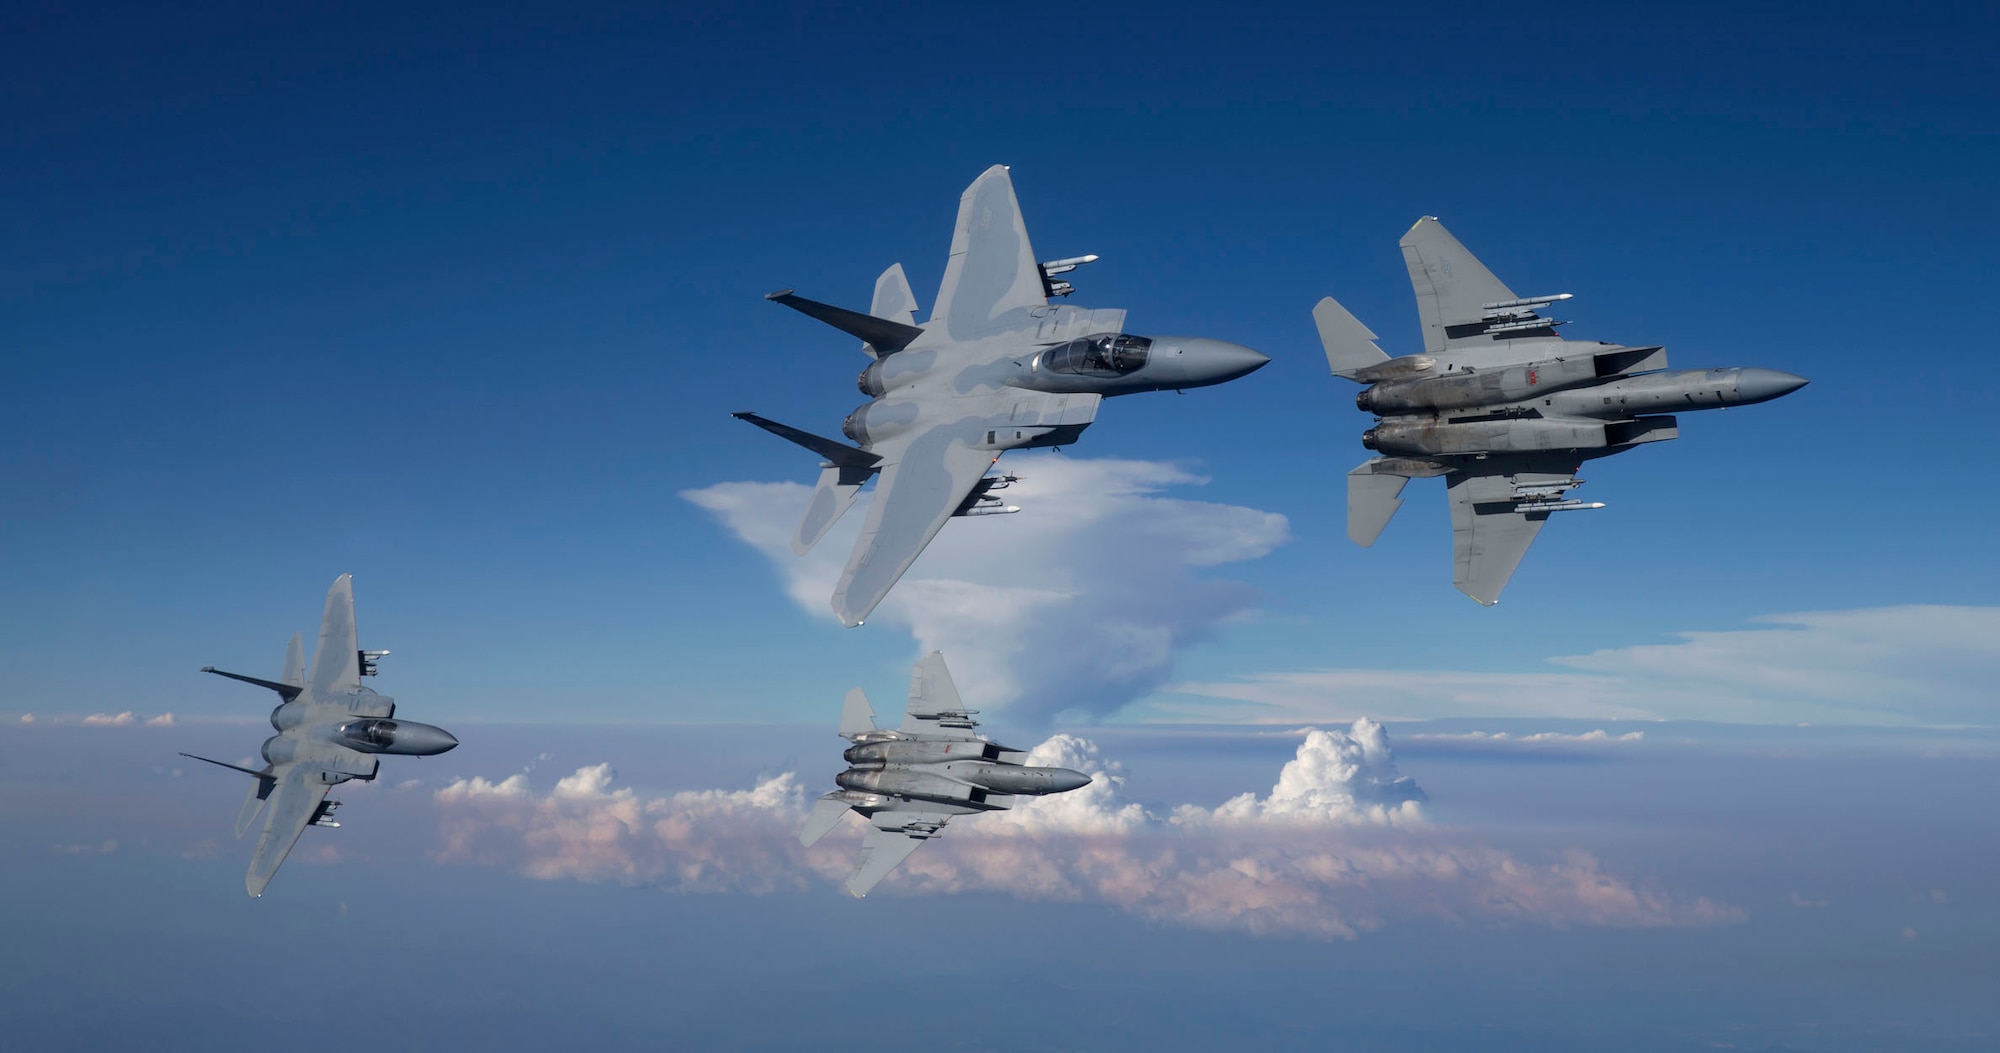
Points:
x=1350, y=346
x=857, y=717
x=295, y=664
x=1372, y=500
x=893, y=299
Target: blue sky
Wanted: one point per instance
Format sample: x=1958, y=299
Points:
x=459, y=300
x=459, y=303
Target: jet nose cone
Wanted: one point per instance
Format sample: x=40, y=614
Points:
x=1063, y=780
x=1763, y=385
x=1218, y=361
x=423, y=740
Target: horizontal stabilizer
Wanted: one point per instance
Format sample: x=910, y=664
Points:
x=837, y=452
x=1350, y=346
x=1372, y=500
x=885, y=336
x=827, y=813
x=232, y=767
x=857, y=717
x=285, y=691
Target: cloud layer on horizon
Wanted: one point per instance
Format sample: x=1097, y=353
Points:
x=1339, y=846
x=1879, y=665
x=1096, y=579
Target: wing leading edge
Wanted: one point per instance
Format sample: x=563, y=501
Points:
x=914, y=497
x=896, y=835
x=1452, y=286
x=1490, y=532
x=294, y=802
x=336, y=666
x=935, y=708
x=992, y=269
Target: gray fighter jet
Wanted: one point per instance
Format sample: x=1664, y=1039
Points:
x=330, y=729
x=909, y=781
x=1502, y=407
x=997, y=367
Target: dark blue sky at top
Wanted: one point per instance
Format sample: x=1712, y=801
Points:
x=459, y=299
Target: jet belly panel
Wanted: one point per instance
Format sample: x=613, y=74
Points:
x=1430, y=437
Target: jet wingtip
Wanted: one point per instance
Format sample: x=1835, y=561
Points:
x=1476, y=598
x=848, y=617
x=780, y=294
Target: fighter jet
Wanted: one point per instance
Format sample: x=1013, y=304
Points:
x=997, y=367
x=1502, y=407
x=909, y=781
x=330, y=729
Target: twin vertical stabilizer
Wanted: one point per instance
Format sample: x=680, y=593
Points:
x=1350, y=345
x=857, y=717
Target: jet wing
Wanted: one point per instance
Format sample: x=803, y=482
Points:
x=992, y=269
x=294, y=801
x=1464, y=308
x=1452, y=286
x=1489, y=535
x=935, y=710
x=336, y=667
x=896, y=835
x=914, y=496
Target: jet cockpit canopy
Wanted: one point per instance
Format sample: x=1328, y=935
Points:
x=1103, y=355
x=370, y=735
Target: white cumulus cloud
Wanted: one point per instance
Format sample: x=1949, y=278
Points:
x=1337, y=776
x=164, y=720
x=1336, y=848
x=1096, y=580
x=700, y=841
x=109, y=720
x=477, y=788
